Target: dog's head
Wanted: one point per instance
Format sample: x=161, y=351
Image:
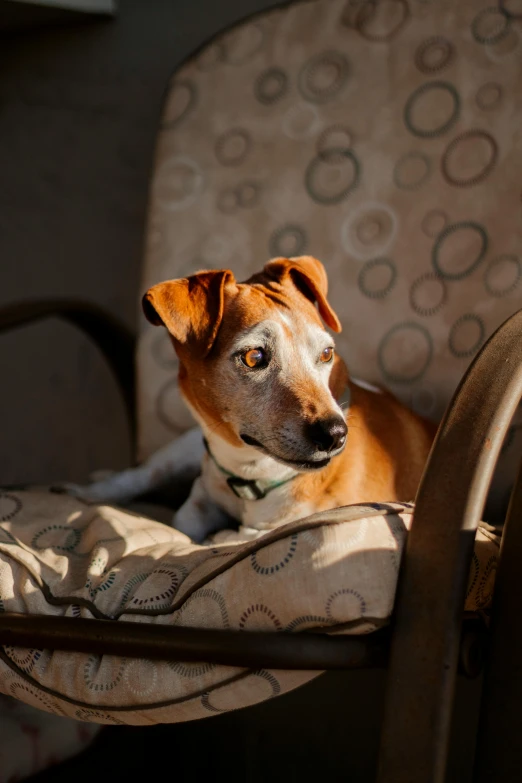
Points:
x=256, y=364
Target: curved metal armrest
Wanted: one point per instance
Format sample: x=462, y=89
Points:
x=113, y=338
x=252, y=649
x=437, y=561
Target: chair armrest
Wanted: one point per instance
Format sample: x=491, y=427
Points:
x=254, y=649
x=437, y=561
x=116, y=342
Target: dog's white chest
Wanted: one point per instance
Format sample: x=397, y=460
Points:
x=277, y=507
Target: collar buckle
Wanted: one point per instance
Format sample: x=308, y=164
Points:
x=246, y=489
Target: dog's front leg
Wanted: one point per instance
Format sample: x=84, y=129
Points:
x=240, y=536
x=199, y=516
x=174, y=461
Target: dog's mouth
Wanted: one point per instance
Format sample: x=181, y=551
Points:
x=312, y=464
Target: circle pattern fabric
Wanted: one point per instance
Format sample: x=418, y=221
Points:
x=379, y=136
x=160, y=577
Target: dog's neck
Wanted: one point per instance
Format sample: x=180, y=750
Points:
x=245, y=461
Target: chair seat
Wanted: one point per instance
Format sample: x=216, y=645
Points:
x=334, y=572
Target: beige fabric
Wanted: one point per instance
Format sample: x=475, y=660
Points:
x=385, y=138
x=334, y=572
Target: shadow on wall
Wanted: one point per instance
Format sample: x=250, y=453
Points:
x=80, y=112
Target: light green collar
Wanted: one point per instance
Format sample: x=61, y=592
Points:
x=247, y=489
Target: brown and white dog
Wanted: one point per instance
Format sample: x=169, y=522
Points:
x=260, y=374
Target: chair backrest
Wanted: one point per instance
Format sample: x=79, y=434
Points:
x=382, y=136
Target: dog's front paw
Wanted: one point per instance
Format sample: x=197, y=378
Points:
x=118, y=488
x=101, y=475
x=80, y=491
x=222, y=537
x=195, y=528
x=240, y=536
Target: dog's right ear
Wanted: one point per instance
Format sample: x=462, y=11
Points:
x=309, y=275
x=191, y=308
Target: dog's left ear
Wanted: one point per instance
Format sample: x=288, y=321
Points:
x=309, y=277
x=191, y=308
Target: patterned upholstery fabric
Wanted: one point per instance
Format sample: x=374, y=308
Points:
x=335, y=572
x=383, y=137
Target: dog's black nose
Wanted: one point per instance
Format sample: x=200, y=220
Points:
x=327, y=434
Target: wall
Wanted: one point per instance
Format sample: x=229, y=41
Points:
x=79, y=109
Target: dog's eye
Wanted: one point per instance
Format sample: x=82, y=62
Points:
x=327, y=355
x=254, y=358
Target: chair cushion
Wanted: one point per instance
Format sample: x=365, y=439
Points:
x=378, y=137
x=333, y=572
